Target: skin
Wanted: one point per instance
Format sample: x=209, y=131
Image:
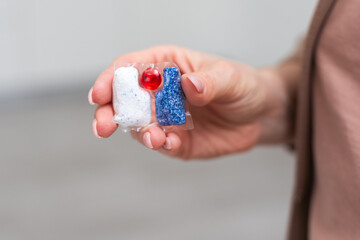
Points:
x=233, y=106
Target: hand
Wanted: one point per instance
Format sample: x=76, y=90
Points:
x=228, y=101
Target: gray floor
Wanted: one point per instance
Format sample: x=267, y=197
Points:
x=57, y=181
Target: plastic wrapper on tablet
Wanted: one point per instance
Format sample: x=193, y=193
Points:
x=149, y=94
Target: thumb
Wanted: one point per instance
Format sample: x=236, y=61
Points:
x=199, y=88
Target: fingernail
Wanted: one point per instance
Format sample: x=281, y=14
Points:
x=90, y=97
x=196, y=81
x=167, y=145
x=147, y=140
x=94, y=129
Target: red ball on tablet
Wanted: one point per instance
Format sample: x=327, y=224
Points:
x=151, y=79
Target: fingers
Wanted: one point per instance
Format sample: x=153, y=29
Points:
x=155, y=138
x=102, y=89
x=198, y=87
x=216, y=82
x=172, y=142
x=103, y=125
x=101, y=92
x=152, y=137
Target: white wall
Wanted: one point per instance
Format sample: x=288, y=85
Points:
x=45, y=44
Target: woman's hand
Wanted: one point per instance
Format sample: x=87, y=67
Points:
x=229, y=102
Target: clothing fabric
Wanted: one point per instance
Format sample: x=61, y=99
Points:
x=298, y=227
x=335, y=201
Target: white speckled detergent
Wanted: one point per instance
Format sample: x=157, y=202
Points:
x=132, y=104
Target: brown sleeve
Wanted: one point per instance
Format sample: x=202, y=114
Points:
x=290, y=71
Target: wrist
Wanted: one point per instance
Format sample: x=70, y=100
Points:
x=276, y=121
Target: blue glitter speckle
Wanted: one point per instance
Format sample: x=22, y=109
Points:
x=170, y=100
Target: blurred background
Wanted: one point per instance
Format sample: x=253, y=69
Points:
x=58, y=181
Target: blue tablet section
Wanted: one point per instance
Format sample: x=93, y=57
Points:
x=170, y=100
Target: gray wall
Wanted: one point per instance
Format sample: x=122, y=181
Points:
x=57, y=181
x=54, y=43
